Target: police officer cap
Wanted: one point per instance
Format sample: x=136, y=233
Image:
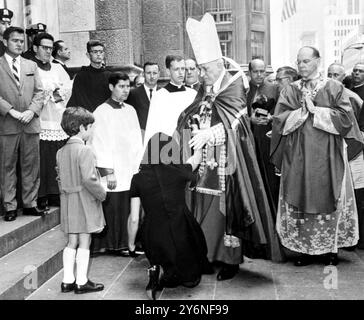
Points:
x=36, y=28
x=6, y=15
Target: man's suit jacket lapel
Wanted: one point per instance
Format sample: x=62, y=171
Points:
x=6, y=67
x=144, y=99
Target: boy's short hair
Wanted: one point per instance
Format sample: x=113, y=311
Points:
x=73, y=118
x=93, y=43
x=115, y=77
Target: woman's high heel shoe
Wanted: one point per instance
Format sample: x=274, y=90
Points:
x=153, y=284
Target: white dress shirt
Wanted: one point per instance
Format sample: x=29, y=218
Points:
x=147, y=90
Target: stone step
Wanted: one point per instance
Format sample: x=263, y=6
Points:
x=16, y=233
x=25, y=269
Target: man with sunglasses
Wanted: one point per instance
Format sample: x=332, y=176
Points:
x=91, y=84
x=313, y=120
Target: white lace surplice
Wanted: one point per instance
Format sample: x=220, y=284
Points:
x=51, y=114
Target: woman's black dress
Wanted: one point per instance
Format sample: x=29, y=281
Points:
x=171, y=236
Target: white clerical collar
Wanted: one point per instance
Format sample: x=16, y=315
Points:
x=359, y=85
x=217, y=85
x=176, y=85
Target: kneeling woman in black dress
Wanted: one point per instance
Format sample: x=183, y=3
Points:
x=172, y=238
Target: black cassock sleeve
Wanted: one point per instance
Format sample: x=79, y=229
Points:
x=134, y=189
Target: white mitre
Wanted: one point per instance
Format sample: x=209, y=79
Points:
x=204, y=39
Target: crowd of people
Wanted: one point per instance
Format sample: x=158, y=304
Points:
x=197, y=174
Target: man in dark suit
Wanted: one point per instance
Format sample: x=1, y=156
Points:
x=140, y=97
x=61, y=54
x=5, y=21
x=21, y=100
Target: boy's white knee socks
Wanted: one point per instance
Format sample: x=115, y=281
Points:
x=82, y=259
x=69, y=258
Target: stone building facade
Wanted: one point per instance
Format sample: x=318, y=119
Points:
x=136, y=31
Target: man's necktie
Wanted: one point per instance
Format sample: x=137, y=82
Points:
x=151, y=94
x=16, y=73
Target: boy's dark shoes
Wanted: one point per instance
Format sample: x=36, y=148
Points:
x=134, y=254
x=10, y=215
x=89, y=286
x=68, y=287
x=33, y=212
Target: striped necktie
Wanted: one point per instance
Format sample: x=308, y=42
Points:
x=16, y=73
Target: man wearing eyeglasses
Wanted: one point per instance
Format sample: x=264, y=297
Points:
x=316, y=213
x=261, y=100
x=91, y=84
x=32, y=31
x=57, y=86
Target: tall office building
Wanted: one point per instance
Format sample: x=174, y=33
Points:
x=243, y=26
x=325, y=24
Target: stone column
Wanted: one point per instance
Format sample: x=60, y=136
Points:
x=119, y=25
x=163, y=30
x=76, y=20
